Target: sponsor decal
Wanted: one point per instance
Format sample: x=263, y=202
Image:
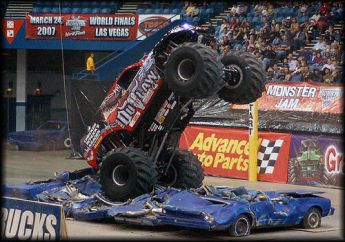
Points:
x=304, y=97
x=92, y=136
x=225, y=152
x=140, y=92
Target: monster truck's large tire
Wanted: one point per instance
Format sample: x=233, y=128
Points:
x=292, y=174
x=327, y=178
x=194, y=70
x=126, y=173
x=246, y=83
x=185, y=171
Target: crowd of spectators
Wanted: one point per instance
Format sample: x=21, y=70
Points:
x=295, y=41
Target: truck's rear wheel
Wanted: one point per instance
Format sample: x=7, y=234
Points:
x=126, y=173
x=193, y=70
x=245, y=78
x=185, y=171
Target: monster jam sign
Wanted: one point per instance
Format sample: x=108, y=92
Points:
x=30, y=220
x=316, y=160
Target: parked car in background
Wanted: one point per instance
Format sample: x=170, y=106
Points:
x=51, y=135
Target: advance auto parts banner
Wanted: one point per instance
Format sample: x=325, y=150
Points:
x=304, y=97
x=225, y=152
x=82, y=26
x=316, y=160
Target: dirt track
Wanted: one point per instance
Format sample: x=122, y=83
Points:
x=23, y=166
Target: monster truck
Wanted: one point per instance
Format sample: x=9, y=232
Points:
x=133, y=141
x=309, y=167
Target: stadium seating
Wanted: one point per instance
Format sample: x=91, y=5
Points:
x=67, y=7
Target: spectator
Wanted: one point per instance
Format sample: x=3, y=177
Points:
x=90, y=64
x=209, y=29
x=224, y=33
x=329, y=35
x=238, y=35
x=277, y=40
x=224, y=24
x=320, y=44
x=269, y=57
x=196, y=10
x=312, y=30
x=296, y=75
x=226, y=50
x=190, y=9
x=298, y=39
x=337, y=76
x=329, y=65
x=283, y=48
x=294, y=26
x=293, y=63
x=302, y=11
x=316, y=75
x=319, y=60
x=287, y=74
x=306, y=75
x=286, y=62
x=326, y=7
x=277, y=73
x=316, y=16
x=305, y=54
x=225, y=41
x=327, y=76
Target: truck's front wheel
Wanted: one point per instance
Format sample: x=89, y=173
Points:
x=126, y=173
x=185, y=171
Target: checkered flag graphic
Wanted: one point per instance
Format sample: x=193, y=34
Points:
x=267, y=155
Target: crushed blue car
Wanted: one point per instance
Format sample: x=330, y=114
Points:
x=236, y=210
x=52, y=135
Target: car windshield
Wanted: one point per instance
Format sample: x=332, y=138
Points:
x=51, y=126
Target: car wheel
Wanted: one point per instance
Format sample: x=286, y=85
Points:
x=241, y=226
x=312, y=219
x=67, y=142
x=127, y=173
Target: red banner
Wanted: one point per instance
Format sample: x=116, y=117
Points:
x=225, y=152
x=305, y=97
x=82, y=26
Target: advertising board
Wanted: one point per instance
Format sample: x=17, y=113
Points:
x=306, y=97
x=225, y=151
x=316, y=160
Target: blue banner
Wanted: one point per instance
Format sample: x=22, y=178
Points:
x=31, y=220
